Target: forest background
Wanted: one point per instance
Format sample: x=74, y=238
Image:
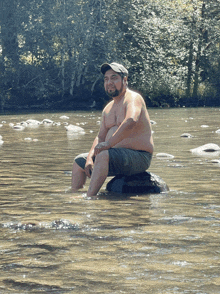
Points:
x=51, y=52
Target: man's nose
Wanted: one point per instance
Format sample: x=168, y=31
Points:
x=109, y=81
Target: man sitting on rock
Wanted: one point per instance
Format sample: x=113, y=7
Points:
x=124, y=144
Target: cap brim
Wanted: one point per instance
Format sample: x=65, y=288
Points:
x=105, y=67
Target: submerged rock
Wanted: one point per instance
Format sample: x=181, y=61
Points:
x=64, y=225
x=207, y=148
x=60, y=224
x=216, y=161
x=64, y=117
x=143, y=183
x=164, y=156
x=47, y=122
x=28, y=139
x=29, y=226
x=1, y=140
x=18, y=127
x=32, y=123
x=186, y=135
x=74, y=129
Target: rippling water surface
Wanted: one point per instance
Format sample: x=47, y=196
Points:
x=52, y=241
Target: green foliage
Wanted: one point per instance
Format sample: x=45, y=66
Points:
x=51, y=51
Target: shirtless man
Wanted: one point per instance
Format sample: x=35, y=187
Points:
x=124, y=144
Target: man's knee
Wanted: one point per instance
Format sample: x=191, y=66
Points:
x=102, y=157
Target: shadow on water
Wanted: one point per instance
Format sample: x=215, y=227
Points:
x=53, y=241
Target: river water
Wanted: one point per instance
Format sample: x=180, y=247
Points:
x=53, y=241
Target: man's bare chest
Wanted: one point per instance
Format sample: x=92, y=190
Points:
x=114, y=117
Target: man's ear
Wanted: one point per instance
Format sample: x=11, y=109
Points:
x=125, y=80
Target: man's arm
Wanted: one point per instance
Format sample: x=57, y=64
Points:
x=98, y=139
x=133, y=112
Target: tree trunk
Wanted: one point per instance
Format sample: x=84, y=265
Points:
x=189, y=74
x=9, y=32
x=198, y=57
x=63, y=72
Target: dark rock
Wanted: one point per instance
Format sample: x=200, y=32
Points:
x=142, y=183
x=186, y=135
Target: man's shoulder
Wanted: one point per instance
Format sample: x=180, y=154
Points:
x=131, y=95
x=108, y=106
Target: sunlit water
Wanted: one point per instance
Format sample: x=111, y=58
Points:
x=53, y=241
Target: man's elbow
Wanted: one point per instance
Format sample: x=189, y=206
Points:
x=101, y=139
x=131, y=122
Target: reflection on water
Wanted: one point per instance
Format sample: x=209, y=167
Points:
x=161, y=243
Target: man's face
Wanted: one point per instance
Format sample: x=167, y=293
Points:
x=113, y=83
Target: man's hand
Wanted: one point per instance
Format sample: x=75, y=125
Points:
x=89, y=168
x=100, y=147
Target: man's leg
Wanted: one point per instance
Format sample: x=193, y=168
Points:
x=78, y=177
x=99, y=173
